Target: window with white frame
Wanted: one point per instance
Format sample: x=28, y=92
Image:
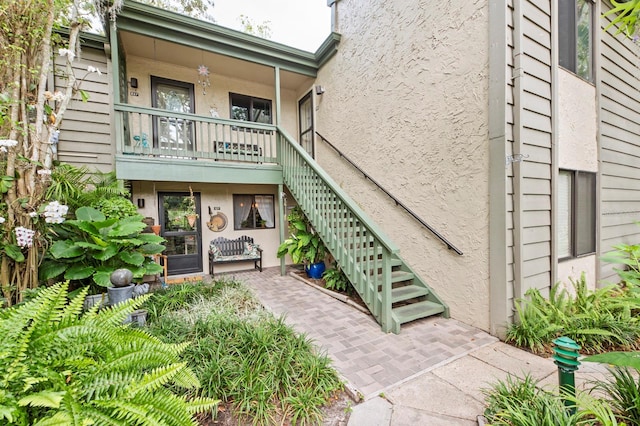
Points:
x=575, y=36
x=253, y=211
x=576, y=224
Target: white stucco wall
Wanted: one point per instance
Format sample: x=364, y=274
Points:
x=406, y=99
x=216, y=195
x=577, y=150
x=577, y=123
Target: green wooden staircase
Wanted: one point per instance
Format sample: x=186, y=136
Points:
x=391, y=290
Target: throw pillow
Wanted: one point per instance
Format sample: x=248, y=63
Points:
x=250, y=249
x=215, y=250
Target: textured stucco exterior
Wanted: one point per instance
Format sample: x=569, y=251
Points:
x=406, y=99
x=577, y=150
x=577, y=123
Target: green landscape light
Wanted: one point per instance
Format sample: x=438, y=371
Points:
x=565, y=356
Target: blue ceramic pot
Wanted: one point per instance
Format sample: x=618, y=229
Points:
x=315, y=270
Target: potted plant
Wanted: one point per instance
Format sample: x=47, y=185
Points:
x=191, y=214
x=304, y=245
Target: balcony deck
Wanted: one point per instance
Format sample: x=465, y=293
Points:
x=154, y=144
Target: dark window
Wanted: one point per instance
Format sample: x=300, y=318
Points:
x=253, y=211
x=575, y=36
x=576, y=213
x=248, y=108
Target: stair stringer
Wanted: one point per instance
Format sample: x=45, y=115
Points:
x=366, y=255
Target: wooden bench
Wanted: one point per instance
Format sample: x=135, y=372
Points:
x=242, y=249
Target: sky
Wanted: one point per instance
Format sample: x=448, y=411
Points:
x=304, y=24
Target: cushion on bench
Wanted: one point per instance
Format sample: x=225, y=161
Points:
x=223, y=250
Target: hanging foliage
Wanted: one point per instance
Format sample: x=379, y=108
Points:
x=625, y=16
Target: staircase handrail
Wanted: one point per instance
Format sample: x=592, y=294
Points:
x=396, y=200
x=340, y=193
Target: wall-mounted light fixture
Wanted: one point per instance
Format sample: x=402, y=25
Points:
x=133, y=82
x=319, y=89
x=141, y=203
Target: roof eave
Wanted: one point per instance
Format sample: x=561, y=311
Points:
x=159, y=23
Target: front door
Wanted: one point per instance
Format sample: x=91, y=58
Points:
x=182, y=231
x=170, y=133
x=305, y=112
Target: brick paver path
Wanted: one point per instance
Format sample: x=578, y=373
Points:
x=370, y=360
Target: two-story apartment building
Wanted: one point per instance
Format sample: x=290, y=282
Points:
x=508, y=130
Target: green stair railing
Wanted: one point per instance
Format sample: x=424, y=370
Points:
x=362, y=250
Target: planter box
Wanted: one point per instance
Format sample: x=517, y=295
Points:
x=93, y=299
x=139, y=317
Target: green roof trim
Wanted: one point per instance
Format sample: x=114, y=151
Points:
x=170, y=26
x=92, y=40
x=328, y=48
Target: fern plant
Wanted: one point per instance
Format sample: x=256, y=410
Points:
x=59, y=366
x=597, y=320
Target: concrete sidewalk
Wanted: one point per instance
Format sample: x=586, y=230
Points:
x=432, y=373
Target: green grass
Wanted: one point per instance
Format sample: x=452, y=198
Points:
x=623, y=390
x=181, y=296
x=244, y=355
x=520, y=402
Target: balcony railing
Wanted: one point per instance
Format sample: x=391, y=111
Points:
x=164, y=134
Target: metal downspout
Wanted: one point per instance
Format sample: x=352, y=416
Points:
x=518, y=74
x=555, y=117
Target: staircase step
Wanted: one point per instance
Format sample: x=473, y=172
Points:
x=399, y=276
x=407, y=292
x=416, y=311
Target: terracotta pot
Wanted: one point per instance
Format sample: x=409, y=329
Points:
x=191, y=218
x=156, y=229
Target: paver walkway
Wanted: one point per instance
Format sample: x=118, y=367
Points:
x=370, y=360
x=432, y=373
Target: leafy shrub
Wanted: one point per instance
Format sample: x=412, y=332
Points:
x=181, y=296
x=623, y=387
x=304, y=245
x=91, y=247
x=521, y=402
x=247, y=357
x=335, y=279
x=79, y=186
x=116, y=208
x=629, y=256
x=59, y=366
x=596, y=320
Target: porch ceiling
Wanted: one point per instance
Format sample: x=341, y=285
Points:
x=189, y=57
